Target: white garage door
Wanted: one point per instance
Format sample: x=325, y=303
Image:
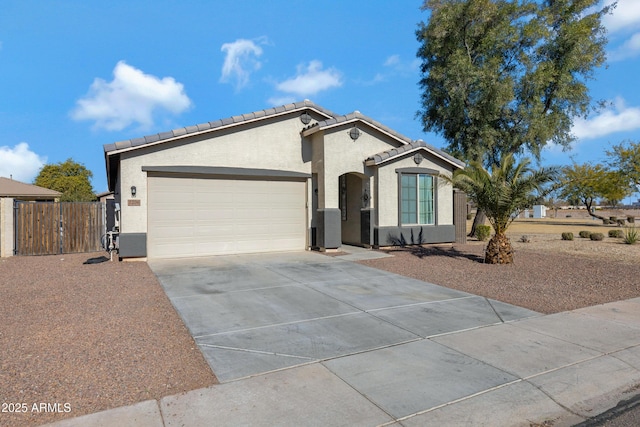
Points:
x=198, y=217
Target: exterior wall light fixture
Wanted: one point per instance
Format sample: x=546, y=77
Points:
x=133, y=191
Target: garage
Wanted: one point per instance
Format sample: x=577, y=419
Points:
x=199, y=216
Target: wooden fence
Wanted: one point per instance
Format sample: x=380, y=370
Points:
x=50, y=228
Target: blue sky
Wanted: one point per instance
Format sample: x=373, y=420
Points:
x=77, y=74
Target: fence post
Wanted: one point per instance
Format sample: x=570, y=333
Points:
x=6, y=227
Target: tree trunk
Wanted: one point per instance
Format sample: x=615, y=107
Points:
x=499, y=250
x=590, y=210
x=479, y=219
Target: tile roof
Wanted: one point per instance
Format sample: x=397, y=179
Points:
x=204, y=127
x=352, y=117
x=13, y=188
x=419, y=144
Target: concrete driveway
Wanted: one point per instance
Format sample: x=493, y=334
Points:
x=307, y=340
x=253, y=314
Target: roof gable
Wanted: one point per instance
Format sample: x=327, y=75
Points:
x=112, y=151
x=354, y=117
x=414, y=146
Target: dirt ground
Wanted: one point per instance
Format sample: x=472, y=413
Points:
x=81, y=338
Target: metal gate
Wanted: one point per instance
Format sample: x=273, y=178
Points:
x=50, y=228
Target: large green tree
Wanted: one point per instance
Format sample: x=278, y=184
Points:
x=625, y=158
x=588, y=184
x=499, y=192
x=70, y=178
x=507, y=76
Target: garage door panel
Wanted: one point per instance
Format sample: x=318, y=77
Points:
x=199, y=217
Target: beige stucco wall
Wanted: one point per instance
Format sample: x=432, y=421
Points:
x=273, y=143
x=343, y=155
x=6, y=227
x=387, y=187
x=276, y=143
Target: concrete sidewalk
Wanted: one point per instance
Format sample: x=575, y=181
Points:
x=564, y=368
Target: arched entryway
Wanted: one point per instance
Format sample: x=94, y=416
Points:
x=354, y=198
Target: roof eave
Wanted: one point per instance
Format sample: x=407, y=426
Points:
x=210, y=130
x=373, y=162
x=314, y=129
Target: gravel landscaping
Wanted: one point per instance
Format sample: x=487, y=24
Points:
x=548, y=275
x=83, y=338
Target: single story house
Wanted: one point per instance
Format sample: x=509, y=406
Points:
x=293, y=177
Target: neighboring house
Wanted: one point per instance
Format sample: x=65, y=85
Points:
x=105, y=196
x=27, y=192
x=288, y=178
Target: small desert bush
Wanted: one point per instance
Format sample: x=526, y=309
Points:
x=631, y=235
x=616, y=233
x=567, y=236
x=525, y=239
x=584, y=234
x=469, y=216
x=483, y=232
x=596, y=236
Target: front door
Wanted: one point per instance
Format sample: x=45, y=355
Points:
x=351, y=203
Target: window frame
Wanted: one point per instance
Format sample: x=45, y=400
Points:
x=416, y=172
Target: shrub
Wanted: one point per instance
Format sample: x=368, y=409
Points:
x=597, y=236
x=469, y=216
x=616, y=233
x=483, y=232
x=631, y=235
x=567, y=236
x=525, y=239
x=584, y=234
x=631, y=219
x=607, y=222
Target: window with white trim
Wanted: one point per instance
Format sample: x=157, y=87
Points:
x=417, y=199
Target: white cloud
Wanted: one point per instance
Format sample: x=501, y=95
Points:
x=311, y=79
x=628, y=49
x=623, y=21
x=619, y=118
x=20, y=162
x=625, y=16
x=241, y=60
x=395, y=67
x=281, y=100
x=392, y=60
x=131, y=97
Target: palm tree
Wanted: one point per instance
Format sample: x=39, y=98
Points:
x=504, y=190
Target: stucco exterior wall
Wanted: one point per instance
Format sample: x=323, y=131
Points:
x=270, y=144
x=343, y=155
x=387, y=189
x=6, y=227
